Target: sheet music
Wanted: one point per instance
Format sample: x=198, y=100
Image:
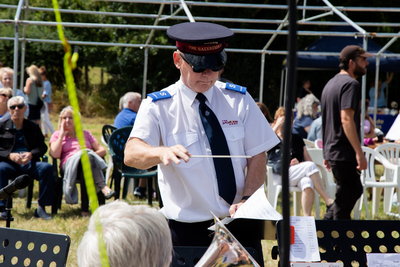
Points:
x=383, y=259
x=305, y=247
x=394, y=131
x=258, y=207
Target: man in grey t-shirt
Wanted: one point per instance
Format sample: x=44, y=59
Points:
x=340, y=102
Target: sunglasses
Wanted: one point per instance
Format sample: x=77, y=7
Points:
x=4, y=95
x=197, y=69
x=20, y=106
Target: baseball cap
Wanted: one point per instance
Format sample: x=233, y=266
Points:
x=202, y=43
x=353, y=51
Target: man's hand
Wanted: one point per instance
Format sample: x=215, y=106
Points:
x=26, y=157
x=361, y=161
x=326, y=165
x=235, y=207
x=22, y=158
x=174, y=154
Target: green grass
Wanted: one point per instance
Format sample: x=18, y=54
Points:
x=68, y=220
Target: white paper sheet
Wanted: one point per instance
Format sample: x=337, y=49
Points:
x=258, y=207
x=305, y=247
x=394, y=131
x=383, y=259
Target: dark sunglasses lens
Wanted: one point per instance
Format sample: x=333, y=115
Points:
x=198, y=70
x=19, y=106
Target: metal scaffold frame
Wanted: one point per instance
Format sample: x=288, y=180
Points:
x=183, y=6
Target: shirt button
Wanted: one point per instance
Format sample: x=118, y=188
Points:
x=233, y=137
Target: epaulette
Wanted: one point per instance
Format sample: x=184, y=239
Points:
x=159, y=95
x=235, y=87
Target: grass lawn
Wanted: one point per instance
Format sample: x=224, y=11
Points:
x=68, y=220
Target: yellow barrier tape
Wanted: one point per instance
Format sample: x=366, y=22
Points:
x=69, y=65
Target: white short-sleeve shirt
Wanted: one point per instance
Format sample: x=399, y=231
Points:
x=190, y=190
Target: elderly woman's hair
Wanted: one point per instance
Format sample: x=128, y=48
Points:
x=6, y=70
x=265, y=111
x=34, y=74
x=17, y=99
x=134, y=235
x=7, y=91
x=64, y=110
x=130, y=96
x=305, y=106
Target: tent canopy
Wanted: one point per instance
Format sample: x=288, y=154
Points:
x=336, y=44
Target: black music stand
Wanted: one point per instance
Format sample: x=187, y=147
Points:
x=348, y=241
x=30, y=248
x=9, y=217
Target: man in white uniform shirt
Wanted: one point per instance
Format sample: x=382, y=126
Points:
x=169, y=129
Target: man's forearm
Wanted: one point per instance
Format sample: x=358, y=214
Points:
x=350, y=131
x=140, y=155
x=256, y=171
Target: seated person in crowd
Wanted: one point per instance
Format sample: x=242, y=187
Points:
x=6, y=77
x=5, y=95
x=307, y=112
x=65, y=146
x=136, y=236
x=265, y=111
x=369, y=128
x=302, y=172
x=279, y=119
x=131, y=103
x=315, y=132
x=21, y=147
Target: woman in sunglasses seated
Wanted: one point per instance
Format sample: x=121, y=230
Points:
x=65, y=146
x=302, y=171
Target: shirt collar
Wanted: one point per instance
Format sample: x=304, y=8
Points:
x=191, y=95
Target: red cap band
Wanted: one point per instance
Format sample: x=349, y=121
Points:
x=200, y=49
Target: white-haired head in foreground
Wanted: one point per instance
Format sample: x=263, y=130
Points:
x=134, y=236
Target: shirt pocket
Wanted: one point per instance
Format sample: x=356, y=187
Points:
x=233, y=134
x=191, y=142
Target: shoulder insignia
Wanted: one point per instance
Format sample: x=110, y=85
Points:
x=235, y=87
x=159, y=95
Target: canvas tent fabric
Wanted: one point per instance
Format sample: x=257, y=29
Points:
x=336, y=44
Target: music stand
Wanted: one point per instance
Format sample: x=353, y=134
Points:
x=9, y=217
x=30, y=248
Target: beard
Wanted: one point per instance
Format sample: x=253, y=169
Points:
x=358, y=71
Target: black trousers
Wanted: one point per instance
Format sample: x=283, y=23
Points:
x=348, y=189
x=197, y=234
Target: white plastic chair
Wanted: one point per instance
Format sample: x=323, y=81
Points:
x=309, y=144
x=390, y=181
x=391, y=152
x=274, y=190
x=317, y=157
